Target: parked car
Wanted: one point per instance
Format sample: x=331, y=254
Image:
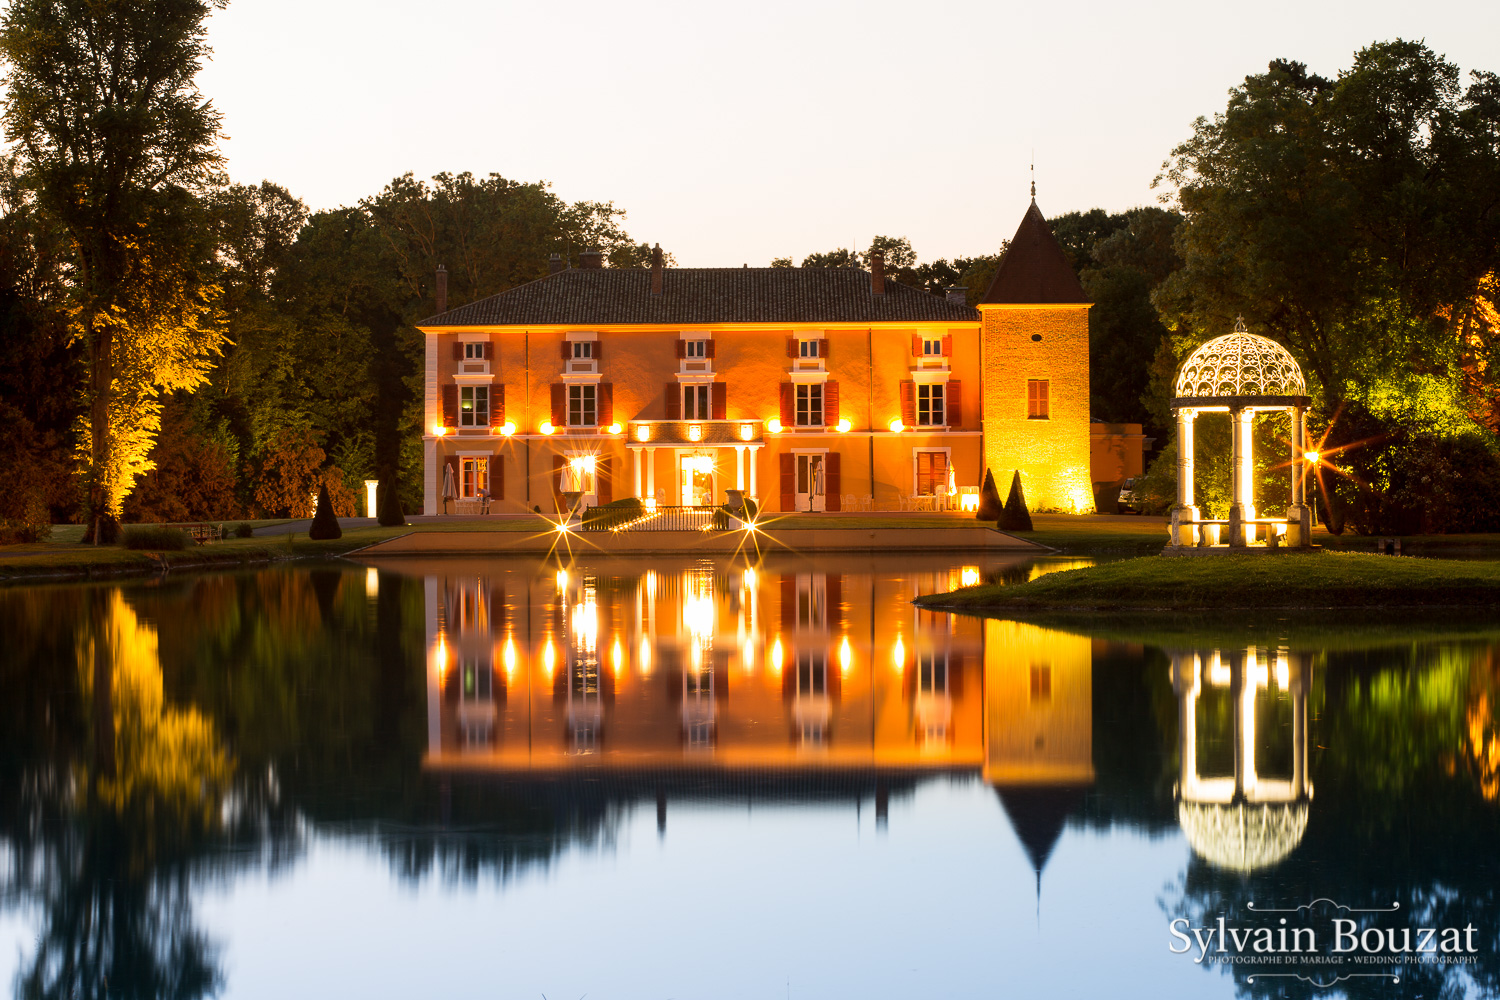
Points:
x=1128, y=504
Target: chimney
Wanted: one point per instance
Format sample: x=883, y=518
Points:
x=590, y=260
x=442, y=289
x=877, y=273
x=656, y=269
x=958, y=294
x=554, y=263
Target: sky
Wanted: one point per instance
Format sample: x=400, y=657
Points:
x=732, y=133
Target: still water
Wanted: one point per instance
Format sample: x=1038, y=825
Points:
x=620, y=778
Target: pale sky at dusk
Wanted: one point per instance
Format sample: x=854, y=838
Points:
x=734, y=133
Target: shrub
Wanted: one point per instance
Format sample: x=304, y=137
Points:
x=752, y=510
x=388, y=510
x=989, y=499
x=1014, y=517
x=325, y=524
x=243, y=531
x=616, y=512
x=159, y=537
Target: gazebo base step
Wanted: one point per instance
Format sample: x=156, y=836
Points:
x=1236, y=550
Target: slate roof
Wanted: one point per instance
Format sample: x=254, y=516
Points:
x=1034, y=269
x=596, y=297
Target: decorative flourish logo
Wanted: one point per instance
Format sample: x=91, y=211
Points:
x=1325, y=941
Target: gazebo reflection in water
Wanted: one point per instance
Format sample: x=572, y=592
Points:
x=782, y=679
x=1242, y=790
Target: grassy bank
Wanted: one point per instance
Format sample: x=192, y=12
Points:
x=1290, y=582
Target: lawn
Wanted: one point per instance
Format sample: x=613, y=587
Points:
x=1289, y=581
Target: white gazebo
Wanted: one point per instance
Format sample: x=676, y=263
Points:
x=1240, y=374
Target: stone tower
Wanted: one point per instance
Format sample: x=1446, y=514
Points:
x=1035, y=351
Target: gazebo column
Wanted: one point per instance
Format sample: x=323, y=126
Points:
x=1299, y=531
x=1184, y=532
x=1238, y=484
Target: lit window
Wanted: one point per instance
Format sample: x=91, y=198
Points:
x=474, y=406
x=932, y=348
x=474, y=350
x=579, y=477
x=932, y=473
x=930, y=405
x=695, y=349
x=809, y=403
x=583, y=350
x=582, y=405
x=476, y=477
x=695, y=402
x=932, y=673
x=1038, y=402
x=807, y=348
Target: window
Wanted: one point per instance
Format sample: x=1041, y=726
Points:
x=474, y=350
x=810, y=402
x=932, y=673
x=583, y=404
x=1038, y=405
x=474, y=406
x=930, y=404
x=932, y=473
x=579, y=475
x=583, y=350
x=812, y=608
x=695, y=402
x=478, y=680
x=812, y=674
x=476, y=477
x=807, y=348
x=932, y=348
x=1041, y=684
x=695, y=349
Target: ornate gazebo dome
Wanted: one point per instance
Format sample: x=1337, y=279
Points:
x=1239, y=364
x=1243, y=836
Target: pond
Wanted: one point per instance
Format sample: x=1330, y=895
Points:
x=726, y=778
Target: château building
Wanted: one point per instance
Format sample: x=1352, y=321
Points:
x=800, y=386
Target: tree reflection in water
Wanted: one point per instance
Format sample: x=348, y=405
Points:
x=469, y=722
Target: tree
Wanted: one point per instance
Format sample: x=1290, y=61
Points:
x=325, y=524
x=102, y=103
x=990, y=507
x=1015, y=517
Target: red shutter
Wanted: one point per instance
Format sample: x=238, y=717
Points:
x=673, y=395
x=559, y=405
x=708, y=349
x=947, y=345
x=833, y=482
x=606, y=403
x=823, y=348
x=788, y=482
x=567, y=351
x=681, y=348
x=916, y=344
x=953, y=403
x=721, y=400
x=458, y=351
x=788, y=404
x=497, y=616
x=831, y=404
x=450, y=406
x=557, y=480
x=833, y=587
x=909, y=403
x=598, y=351
x=458, y=483
x=497, y=405
x=791, y=347
x=604, y=489
x=788, y=600
x=497, y=477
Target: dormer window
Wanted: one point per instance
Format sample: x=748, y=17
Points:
x=695, y=349
x=807, y=349
x=583, y=350
x=932, y=348
x=473, y=350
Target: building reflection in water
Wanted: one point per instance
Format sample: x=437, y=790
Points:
x=1242, y=790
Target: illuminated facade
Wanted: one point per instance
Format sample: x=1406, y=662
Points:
x=810, y=389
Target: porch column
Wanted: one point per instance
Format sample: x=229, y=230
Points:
x=1236, y=479
x=754, y=466
x=1184, y=532
x=651, y=472
x=1246, y=427
x=739, y=467
x=636, y=452
x=1299, y=514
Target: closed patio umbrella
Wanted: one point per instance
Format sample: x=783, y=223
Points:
x=450, y=489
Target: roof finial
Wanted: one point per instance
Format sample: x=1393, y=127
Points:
x=1033, y=178
x=1239, y=324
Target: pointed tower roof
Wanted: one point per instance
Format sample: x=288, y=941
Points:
x=1034, y=270
x=1038, y=814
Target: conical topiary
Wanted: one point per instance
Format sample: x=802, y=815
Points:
x=1015, y=516
x=324, y=524
x=389, y=511
x=989, y=499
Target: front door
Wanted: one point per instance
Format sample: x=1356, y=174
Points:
x=697, y=477
x=810, y=482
